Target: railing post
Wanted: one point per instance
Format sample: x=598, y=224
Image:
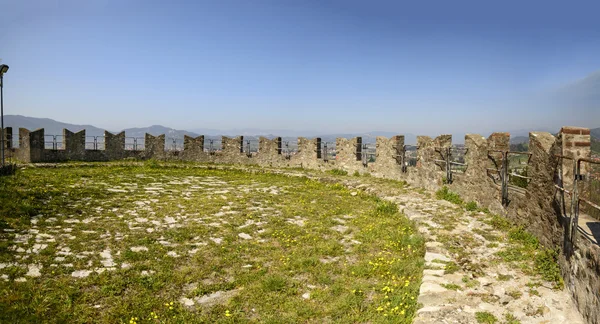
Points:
x=504, y=175
x=448, y=166
x=575, y=203
x=248, y=153
x=404, y=168
x=288, y=154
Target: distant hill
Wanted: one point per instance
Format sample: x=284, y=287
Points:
x=595, y=133
x=519, y=139
x=158, y=130
x=54, y=127
x=51, y=126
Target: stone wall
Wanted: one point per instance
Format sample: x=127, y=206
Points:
x=193, y=147
x=309, y=153
x=538, y=208
x=154, y=146
x=74, y=144
x=575, y=143
x=387, y=156
x=114, y=145
x=349, y=154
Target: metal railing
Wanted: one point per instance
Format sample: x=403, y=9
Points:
x=576, y=194
x=286, y=151
x=53, y=142
x=174, y=144
x=134, y=143
x=328, y=151
x=250, y=147
x=453, y=160
x=506, y=174
x=400, y=157
x=410, y=155
x=94, y=143
x=212, y=145
x=368, y=153
x=577, y=198
x=591, y=189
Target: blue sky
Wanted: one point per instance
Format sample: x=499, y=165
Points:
x=428, y=67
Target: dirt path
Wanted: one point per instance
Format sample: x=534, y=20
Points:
x=465, y=281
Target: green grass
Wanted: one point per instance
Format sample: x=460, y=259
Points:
x=451, y=267
x=471, y=206
x=470, y=283
x=511, y=319
x=515, y=294
x=357, y=257
x=451, y=286
x=485, y=317
x=338, y=172
x=446, y=194
x=524, y=248
x=546, y=264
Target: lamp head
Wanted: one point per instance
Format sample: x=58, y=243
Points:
x=3, y=68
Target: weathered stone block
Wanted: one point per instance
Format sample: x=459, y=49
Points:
x=154, y=146
x=232, y=147
x=74, y=144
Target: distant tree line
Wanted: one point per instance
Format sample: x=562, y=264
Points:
x=596, y=146
x=521, y=147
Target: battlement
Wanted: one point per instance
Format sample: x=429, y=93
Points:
x=537, y=189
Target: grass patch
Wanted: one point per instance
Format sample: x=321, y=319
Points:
x=387, y=208
x=515, y=294
x=451, y=286
x=338, y=172
x=511, y=319
x=143, y=237
x=520, y=235
x=485, y=317
x=445, y=194
x=498, y=222
x=524, y=248
x=471, y=206
x=470, y=283
x=546, y=264
x=451, y=267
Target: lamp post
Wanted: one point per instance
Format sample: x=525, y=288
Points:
x=3, y=69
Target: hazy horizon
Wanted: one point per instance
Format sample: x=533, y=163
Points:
x=345, y=66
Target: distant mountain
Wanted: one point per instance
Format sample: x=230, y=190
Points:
x=595, y=133
x=250, y=132
x=158, y=130
x=51, y=127
x=519, y=139
x=54, y=127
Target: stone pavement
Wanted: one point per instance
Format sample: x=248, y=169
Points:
x=456, y=288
